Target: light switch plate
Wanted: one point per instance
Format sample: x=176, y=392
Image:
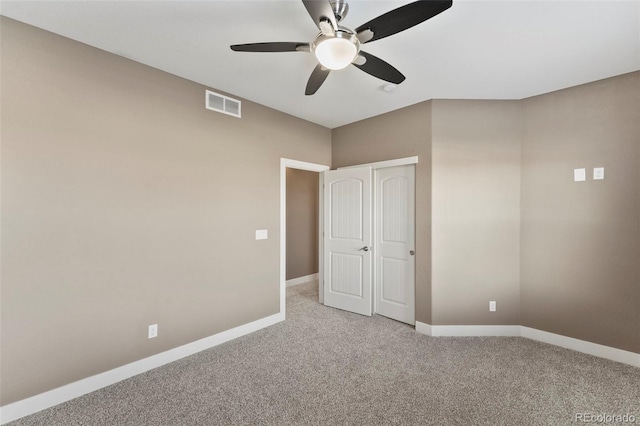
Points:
x=579, y=175
x=262, y=234
x=598, y=173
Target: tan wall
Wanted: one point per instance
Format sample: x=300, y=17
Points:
x=476, y=212
x=125, y=203
x=581, y=240
x=398, y=134
x=302, y=223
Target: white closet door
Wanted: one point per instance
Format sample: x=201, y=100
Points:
x=347, y=240
x=395, y=243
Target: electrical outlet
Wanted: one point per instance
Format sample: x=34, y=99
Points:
x=153, y=331
x=492, y=306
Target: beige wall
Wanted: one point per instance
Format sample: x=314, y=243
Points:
x=475, y=212
x=581, y=240
x=125, y=203
x=398, y=134
x=302, y=223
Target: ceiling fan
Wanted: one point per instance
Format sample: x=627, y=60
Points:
x=336, y=46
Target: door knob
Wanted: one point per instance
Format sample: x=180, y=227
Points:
x=411, y=252
x=365, y=248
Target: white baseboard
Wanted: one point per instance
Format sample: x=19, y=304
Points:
x=301, y=280
x=467, y=330
x=73, y=390
x=583, y=346
x=475, y=330
x=423, y=328
x=614, y=354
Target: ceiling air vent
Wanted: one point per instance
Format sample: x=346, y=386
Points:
x=224, y=104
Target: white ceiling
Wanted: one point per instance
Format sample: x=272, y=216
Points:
x=478, y=49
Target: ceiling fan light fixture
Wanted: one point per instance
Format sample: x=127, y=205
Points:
x=337, y=47
x=335, y=53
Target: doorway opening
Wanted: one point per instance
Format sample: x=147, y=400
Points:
x=295, y=166
x=303, y=226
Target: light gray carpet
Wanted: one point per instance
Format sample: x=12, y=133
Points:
x=325, y=366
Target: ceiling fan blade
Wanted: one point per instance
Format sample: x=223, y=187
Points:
x=380, y=69
x=401, y=19
x=320, y=10
x=272, y=47
x=318, y=76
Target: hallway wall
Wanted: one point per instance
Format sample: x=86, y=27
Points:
x=302, y=223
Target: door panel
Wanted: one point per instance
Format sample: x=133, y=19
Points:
x=347, y=239
x=346, y=274
x=395, y=241
x=393, y=275
x=394, y=215
x=346, y=209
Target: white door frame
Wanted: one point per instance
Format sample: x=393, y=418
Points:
x=386, y=163
x=300, y=165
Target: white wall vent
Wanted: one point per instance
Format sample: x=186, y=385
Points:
x=224, y=104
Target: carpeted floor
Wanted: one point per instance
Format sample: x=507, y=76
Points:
x=324, y=366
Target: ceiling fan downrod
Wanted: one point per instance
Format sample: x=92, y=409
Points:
x=340, y=9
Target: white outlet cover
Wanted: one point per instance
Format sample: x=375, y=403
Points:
x=579, y=175
x=262, y=234
x=598, y=173
x=153, y=331
x=492, y=306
